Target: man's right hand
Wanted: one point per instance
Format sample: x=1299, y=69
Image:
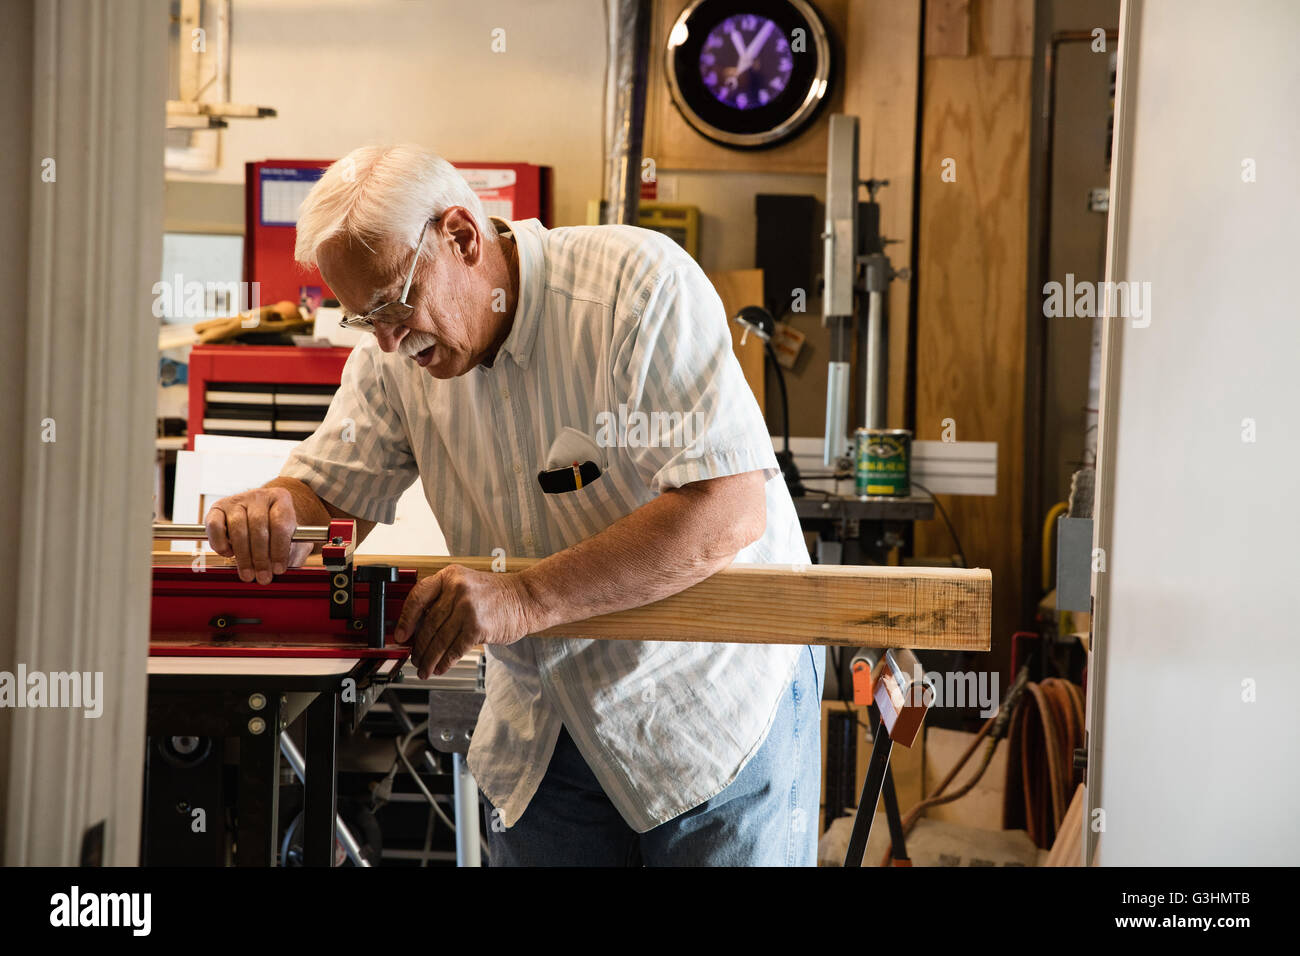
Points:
x=256, y=529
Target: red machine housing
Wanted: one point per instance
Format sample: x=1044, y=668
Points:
x=214, y=614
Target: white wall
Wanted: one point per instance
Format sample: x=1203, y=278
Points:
x=345, y=73
x=1202, y=530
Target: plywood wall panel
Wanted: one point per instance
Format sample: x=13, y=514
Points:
x=971, y=323
x=1006, y=27
x=738, y=288
x=947, y=27
x=883, y=51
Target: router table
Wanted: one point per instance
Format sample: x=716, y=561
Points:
x=235, y=660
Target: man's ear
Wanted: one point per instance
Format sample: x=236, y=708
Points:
x=459, y=228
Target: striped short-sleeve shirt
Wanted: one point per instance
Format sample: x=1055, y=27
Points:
x=621, y=345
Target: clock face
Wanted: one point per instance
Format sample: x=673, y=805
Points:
x=746, y=61
x=749, y=74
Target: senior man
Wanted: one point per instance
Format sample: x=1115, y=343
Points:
x=501, y=353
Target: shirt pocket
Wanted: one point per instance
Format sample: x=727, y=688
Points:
x=585, y=511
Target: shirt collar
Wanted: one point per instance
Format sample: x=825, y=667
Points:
x=532, y=280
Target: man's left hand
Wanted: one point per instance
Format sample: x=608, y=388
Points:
x=449, y=612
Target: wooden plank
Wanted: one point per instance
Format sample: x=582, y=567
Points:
x=738, y=288
x=674, y=144
x=883, y=46
x=1068, y=848
x=777, y=604
x=971, y=311
x=947, y=28
x=841, y=605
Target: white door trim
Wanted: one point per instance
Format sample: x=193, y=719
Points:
x=1107, y=417
x=94, y=240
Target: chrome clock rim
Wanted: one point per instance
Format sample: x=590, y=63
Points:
x=811, y=102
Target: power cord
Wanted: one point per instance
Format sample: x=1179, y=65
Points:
x=384, y=789
x=402, y=744
x=995, y=728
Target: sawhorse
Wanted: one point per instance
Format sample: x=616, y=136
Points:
x=892, y=681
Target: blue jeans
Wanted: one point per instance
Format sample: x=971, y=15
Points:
x=767, y=816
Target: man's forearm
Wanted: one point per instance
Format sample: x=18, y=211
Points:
x=680, y=538
x=311, y=509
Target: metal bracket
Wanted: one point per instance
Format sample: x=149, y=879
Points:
x=1074, y=564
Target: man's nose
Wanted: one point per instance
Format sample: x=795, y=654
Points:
x=390, y=336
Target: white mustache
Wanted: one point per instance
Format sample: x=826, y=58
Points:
x=416, y=342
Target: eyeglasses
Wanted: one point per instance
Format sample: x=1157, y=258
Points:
x=390, y=313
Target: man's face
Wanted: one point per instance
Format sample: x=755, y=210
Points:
x=452, y=328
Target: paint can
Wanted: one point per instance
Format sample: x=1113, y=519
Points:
x=883, y=462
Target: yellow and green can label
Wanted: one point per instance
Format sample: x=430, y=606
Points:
x=884, y=462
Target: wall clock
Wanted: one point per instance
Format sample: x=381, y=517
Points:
x=749, y=74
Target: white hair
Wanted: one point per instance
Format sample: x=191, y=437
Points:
x=382, y=194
